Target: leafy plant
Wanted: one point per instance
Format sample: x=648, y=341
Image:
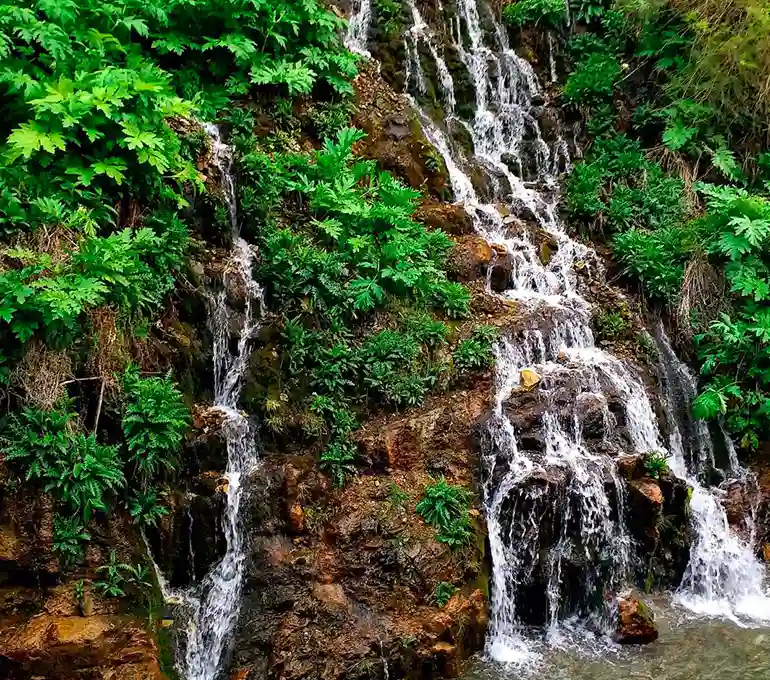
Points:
x=443, y=592
x=397, y=496
x=594, y=80
x=338, y=459
x=154, y=422
x=476, y=352
x=445, y=506
x=69, y=535
x=656, y=463
x=144, y=509
x=549, y=12
x=85, y=474
x=113, y=582
x=610, y=325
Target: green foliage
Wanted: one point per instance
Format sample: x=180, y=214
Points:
x=154, y=422
x=112, y=583
x=69, y=535
x=476, y=352
x=610, y=325
x=549, y=12
x=85, y=475
x=594, y=79
x=338, y=460
x=79, y=471
x=443, y=592
x=144, y=509
x=361, y=287
x=390, y=19
x=445, y=506
x=656, y=463
x=330, y=117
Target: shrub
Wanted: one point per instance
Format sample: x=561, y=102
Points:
x=69, y=535
x=610, y=325
x=144, y=509
x=85, y=475
x=476, y=352
x=550, y=12
x=594, y=80
x=338, y=460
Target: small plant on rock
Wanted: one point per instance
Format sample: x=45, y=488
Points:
x=445, y=506
x=397, y=496
x=443, y=592
x=610, y=325
x=656, y=463
x=144, y=509
x=476, y=352
x=338, y=461
x=114, y=581
x=69, y=535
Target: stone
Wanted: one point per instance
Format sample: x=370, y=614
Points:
x=766, y=552
x=529, y=378
x=648, y=490
x=99, y=646
x=636, y=623
x=545, y=252
x=297, y=517
x=470, y=258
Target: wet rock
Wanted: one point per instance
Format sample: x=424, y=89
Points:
x=529, y=378
x=630, y=466
x=448, y=217
x=500, y=275
x=636, y=623
x=470, y=258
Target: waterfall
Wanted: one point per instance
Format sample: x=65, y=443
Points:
x=213, y=606
x=557, y=502
x=358, y=27
x=723, y=578
x=534, y=536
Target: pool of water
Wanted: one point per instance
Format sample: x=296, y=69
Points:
x=688, y=649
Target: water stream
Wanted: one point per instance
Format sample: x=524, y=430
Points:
x=211, y=607
x=537, y=534
x=724, y=577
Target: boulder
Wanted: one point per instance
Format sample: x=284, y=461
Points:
x=470, y=258
x=636, y=623
x=99, y=647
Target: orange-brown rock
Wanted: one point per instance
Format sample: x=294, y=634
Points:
x=636, y=623
x=470, y=258
x=73, y=647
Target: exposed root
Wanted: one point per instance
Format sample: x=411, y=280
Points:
x=41, y=376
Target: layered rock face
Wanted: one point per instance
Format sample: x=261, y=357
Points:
x=46, y=631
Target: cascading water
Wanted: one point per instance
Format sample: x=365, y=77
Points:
x=724, y=577
x=214, y=606
x=534, y=536
x=358, y=27
x=585, y=522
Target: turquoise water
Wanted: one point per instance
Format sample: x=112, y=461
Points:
x=688, y=649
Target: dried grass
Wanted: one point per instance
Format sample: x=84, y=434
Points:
x=702, y=297
x=109, y=352
x=41, y=375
